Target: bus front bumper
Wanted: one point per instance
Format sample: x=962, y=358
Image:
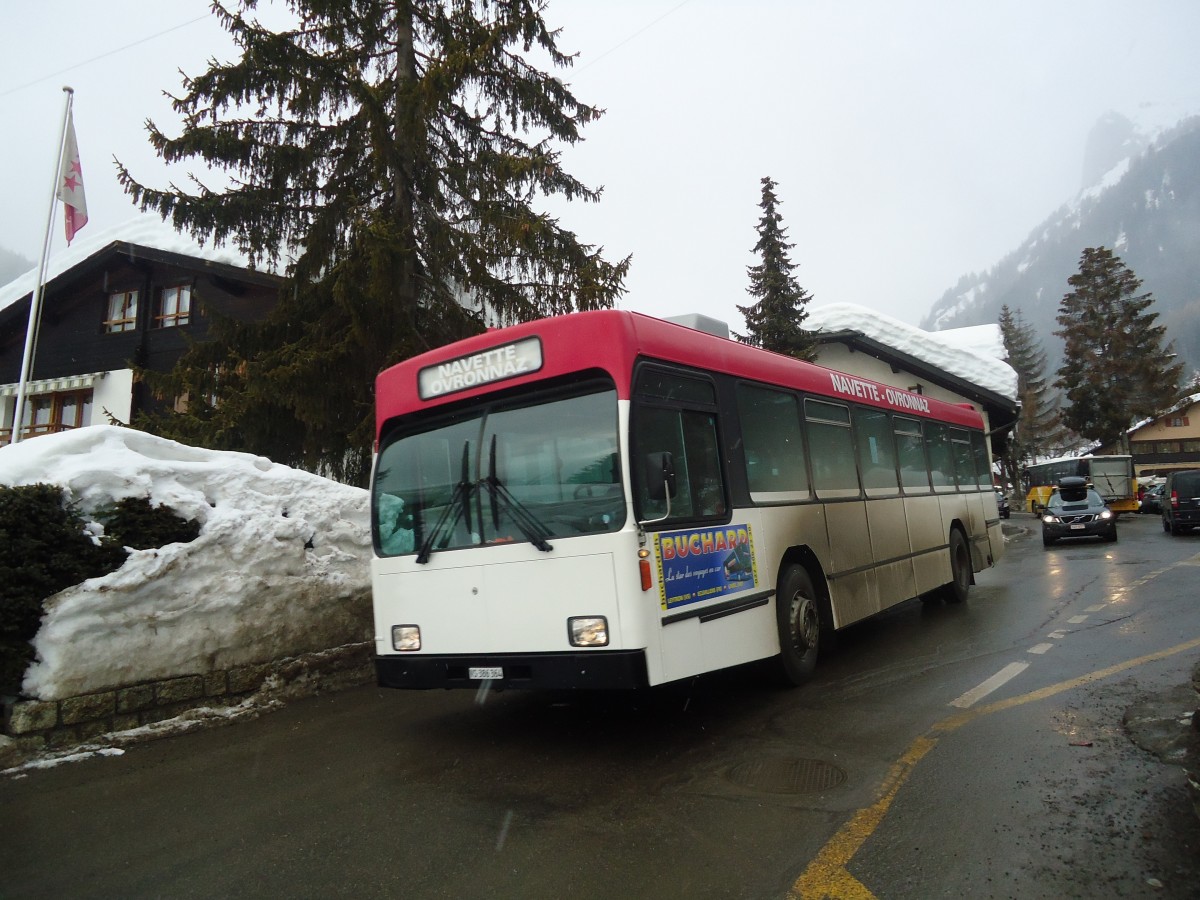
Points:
x=594, y=670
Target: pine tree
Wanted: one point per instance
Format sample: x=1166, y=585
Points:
x=1038, y=430
x=391, y=152
x=776, y=321
x=1115, y=370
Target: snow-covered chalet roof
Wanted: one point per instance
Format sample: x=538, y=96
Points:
x=143, y=231
x=1183, y=404
x=973, y=354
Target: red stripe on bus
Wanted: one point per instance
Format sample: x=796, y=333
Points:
x=613, y=340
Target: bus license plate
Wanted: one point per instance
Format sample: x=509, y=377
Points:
x=485, y=673
x=1078, y=527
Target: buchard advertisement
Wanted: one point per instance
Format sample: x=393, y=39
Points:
x=704, y=563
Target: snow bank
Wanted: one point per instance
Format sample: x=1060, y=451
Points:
x=281, y=565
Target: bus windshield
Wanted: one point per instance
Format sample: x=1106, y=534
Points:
x=495, y=474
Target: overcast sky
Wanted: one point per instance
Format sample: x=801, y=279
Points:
x=912, y=142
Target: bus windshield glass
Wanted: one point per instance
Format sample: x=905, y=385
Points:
x=501, y=473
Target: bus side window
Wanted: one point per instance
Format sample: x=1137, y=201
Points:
x=910, y=449
x=832, y=448
x=941, y=459
x=964, y=461
x=983, y=470
x=704, y=464
x=690, y=436
x=876, y=452
x=775, y=467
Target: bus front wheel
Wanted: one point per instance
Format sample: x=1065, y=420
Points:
x=955, y=590
x=801, y=629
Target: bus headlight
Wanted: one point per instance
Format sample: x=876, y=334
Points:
x=406, y=637
x=588, y=631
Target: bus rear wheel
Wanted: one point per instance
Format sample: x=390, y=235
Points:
x=956, y=589
x=802, y=629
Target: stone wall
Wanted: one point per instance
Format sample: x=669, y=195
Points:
x=34, y=726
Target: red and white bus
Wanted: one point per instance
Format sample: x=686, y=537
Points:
x=609, y=500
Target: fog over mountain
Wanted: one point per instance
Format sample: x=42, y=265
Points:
x=1141, y=199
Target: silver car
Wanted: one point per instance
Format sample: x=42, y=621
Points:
x=1076, y=510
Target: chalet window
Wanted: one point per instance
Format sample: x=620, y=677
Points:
x=173, y=307
x=122, y=312
x=52, y=413
x=1177, y=422
x=183, y=402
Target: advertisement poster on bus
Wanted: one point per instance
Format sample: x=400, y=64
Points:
x=704, y=563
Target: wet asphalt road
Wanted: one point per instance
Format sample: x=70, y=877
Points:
x=895, y=773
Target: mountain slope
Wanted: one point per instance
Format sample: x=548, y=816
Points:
x=1146, y=209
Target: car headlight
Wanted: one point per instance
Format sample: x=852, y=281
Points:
x=588, y=631
x=1107, y=514
x=1049, y=520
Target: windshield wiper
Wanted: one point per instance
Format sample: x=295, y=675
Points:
x=534, y=531
x=459, y=507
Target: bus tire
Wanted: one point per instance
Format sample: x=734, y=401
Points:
x=802, y=627
x=956, y=589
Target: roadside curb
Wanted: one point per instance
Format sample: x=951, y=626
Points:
x=54, y=729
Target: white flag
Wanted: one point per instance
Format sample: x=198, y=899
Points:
x=70, y=186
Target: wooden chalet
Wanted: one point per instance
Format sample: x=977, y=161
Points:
x=133, y=296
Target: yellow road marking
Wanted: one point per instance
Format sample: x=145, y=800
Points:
x=826, y=877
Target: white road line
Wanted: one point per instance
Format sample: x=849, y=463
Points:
x=1077, y=620
x=973, y=696
x=1057, y=635
x=1096, y=608
x=1040, y=648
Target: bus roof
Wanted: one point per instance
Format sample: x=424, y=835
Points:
x=613, y=341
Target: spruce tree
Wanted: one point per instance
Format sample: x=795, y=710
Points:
x=776, y=321
x=1038, y=431
x=1115, y=369
x=391, y=155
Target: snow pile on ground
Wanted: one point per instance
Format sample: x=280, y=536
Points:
x=281, y=565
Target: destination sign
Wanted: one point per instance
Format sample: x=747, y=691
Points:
x=507, y=361
x=856, y=387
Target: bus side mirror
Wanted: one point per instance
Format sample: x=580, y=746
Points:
x=660, y=475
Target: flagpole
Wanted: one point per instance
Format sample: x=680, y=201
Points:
x=35, y=303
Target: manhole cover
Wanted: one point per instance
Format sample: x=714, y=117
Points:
x=787, y=775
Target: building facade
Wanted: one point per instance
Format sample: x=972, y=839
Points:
x=133, y=298
x=1168, y=442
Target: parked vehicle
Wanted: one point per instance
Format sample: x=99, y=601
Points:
x=1074, y=510
x=1152, y=500
x=1181, y=501
x=1002, y=504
